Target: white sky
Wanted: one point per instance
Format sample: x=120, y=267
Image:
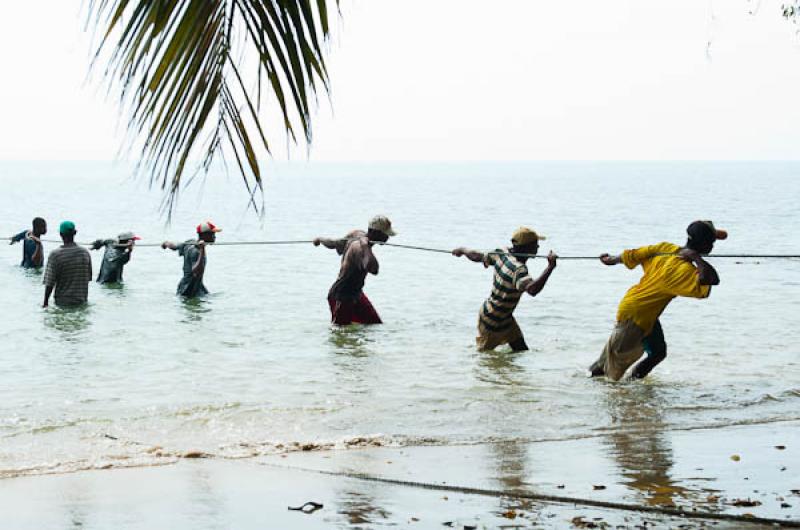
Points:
x=454, y=80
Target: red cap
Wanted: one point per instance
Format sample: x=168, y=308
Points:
x=207, y=226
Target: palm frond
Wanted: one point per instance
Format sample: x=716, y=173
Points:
x=186, y=95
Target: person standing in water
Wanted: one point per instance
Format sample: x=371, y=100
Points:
x=69, y=271
x=346, y=299
x=193, y=252
x=32, y=250
x=669, y=271
x=117, y=254
x=496, y=322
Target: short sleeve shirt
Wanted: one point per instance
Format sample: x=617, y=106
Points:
x=69, y=271
x=665, y=276
x=190, y=286
x=511, y=279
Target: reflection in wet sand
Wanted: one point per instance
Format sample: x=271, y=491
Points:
x=360, y=508
x=641, y=447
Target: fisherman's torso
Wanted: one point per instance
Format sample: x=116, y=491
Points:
x=510, y=279
x=352, y=274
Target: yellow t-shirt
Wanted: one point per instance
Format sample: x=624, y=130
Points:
x=665, y=277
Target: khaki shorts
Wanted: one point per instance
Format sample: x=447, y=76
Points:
x=489, y=340
x=624, y=347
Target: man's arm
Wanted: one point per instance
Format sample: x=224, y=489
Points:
x=539, y=283
x=368, y=259
x=326, y=242
x=19, y=237
x=126, y=256
x=48, y=289
x=169, y=245
x=200, y=265
x=38, y=255
x=472, y=255
x=706, y=274
x=49, y=280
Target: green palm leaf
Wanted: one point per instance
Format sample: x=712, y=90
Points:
x=174, y=61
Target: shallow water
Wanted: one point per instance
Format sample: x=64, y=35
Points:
x=256, y=368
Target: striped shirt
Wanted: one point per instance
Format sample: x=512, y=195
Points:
x=69, y=270
x=511, y=278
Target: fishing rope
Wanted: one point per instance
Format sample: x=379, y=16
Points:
x=436, y=250
x=543, y=497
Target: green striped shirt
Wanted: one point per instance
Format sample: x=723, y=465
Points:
x=510, y=280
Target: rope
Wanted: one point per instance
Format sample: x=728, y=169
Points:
x=440, y=250
x=661, y=510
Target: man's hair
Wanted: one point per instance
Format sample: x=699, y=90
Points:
x=38, y=221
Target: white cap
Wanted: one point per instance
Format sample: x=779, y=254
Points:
x=381, y=223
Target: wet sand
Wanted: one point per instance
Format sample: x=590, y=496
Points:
x=699, y=471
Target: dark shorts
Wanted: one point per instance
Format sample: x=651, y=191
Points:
x=358, y=311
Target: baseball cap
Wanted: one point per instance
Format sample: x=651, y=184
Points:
x=66, y=227
x=381, y=223
x=525, y=236
x=705, y=231
x=207, y=226
x=127, y=236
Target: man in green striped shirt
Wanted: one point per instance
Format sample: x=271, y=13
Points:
x=496, y=323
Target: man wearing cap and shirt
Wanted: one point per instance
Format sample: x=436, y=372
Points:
x=32, y=250
x=669, y=271
x=496, y=323
x=346, y=299
x=69, y=270
x=193, y=252
x=117, y=255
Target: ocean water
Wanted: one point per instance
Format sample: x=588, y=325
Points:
x=140, y=376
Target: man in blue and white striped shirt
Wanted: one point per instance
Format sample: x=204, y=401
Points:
x=496, y=323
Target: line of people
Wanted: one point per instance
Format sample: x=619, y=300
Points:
x=669, y=270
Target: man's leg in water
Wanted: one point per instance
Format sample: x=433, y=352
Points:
x=656, y=349
x=519, y=344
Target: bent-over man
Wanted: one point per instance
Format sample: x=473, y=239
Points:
x=193, y=252
x=496, y=322
x=669, y=271
x=117, y=254
x=346, y=298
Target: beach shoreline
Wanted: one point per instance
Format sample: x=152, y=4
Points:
x=505, y=484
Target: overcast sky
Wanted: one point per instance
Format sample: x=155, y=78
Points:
x=454, y=80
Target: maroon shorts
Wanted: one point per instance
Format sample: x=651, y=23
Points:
x=359, y=311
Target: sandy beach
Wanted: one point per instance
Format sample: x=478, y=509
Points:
x=747, y=473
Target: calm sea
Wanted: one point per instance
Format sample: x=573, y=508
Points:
x=256, y=368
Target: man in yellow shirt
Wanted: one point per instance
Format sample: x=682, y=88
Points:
x=669, y=271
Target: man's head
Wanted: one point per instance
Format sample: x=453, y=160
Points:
x=126, y=237
x=67, y=231
x=207, y=231
x=525, y=241
x=380, y=229
x=39, y=226
x=703, y=235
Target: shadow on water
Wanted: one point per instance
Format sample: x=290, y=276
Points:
x=70, y=322
x=641, y=446
x=353, y=340
x=500, y=367
x=195, y=308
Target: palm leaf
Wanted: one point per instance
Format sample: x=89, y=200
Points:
x=184, y=92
